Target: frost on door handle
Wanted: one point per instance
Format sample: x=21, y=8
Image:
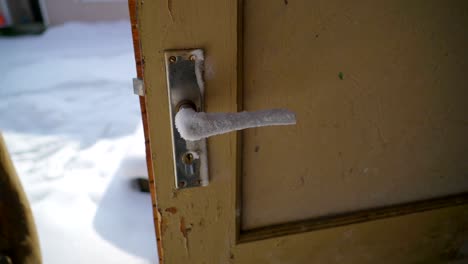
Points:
x=194, y=125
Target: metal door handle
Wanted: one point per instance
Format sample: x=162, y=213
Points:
x=191, y=126
x=194, y=125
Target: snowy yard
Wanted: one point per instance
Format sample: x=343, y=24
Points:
x=73, y=128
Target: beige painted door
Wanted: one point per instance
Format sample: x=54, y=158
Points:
x=376, y=169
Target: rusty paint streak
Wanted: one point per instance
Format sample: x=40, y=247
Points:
x=171, y=210
x=184, y=230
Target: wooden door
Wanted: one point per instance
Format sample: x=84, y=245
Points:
x=376, y=169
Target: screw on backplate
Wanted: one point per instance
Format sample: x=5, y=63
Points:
x=192, y=57
x=172, y=59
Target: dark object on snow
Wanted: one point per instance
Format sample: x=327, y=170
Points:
x=19, y=242
x=143, y=184
x=22, y=17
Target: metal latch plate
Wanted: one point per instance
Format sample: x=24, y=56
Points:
x=138, y=87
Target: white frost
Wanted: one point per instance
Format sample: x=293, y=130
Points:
x=197, y=125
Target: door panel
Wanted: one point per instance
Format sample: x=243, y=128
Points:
x=380, y=95
x=389, y=132
x=429, y=237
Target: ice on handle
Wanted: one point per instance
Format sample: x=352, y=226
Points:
x=198, y=125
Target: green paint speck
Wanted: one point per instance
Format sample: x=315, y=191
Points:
x=341, y=75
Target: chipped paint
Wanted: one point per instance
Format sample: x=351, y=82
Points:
x=169, y=9
x=171, y=210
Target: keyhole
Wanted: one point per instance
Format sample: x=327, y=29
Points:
x=187, y=158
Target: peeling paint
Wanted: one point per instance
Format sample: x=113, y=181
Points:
x=162, y=225
x=169, y=8
x=174, y=193
x=171, y=210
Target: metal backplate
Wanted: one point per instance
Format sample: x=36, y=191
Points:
x=184, y=70
x=138, y=87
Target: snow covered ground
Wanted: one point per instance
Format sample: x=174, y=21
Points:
x=73, y=128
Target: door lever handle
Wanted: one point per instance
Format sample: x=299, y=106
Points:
x=190, y=126
x=194, y=125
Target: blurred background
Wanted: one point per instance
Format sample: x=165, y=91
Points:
x=73, y=128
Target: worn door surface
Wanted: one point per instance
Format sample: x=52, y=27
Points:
x=376, y=169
